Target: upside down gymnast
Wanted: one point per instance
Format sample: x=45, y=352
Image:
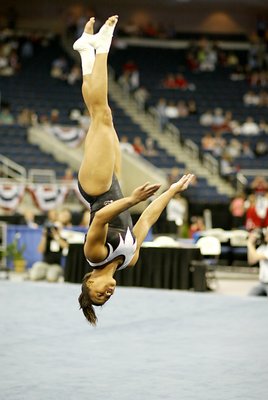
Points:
x=111, y=243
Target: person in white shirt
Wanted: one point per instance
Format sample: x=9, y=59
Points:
x=259, y=255
x=250, y=127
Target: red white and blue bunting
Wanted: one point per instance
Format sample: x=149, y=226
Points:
x=47, y=196
x=11, y=195
x=72, y=136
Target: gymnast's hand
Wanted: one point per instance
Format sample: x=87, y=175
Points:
x=182, y=184
x=143, y=192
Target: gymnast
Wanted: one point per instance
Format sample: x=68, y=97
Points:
x=111, y=243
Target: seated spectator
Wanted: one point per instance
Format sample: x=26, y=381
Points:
x=259, y=185
x=54, y=116
x=192, y=62
x=206, y=119
x=219, y=144
x=125, y=145
x=251, y=99
x=249, y=127
x=6, y=118
x=170, y=82
x=172, y=110
x=181, y=82
x=197, y=225
x=59, y=68
x=237, y=210
x=233, y=149
x=263, y=127
x=263, y=98
x=192, y=107
x=138, y=145
x=27, y=117
x=74, y=75
x=261, y=148
x=208, y=142
x=227, y=168
x=246, y=150
x=182, y=109
x=218, y=119
x=150, y=149
x=228, y=123
x=238, y=74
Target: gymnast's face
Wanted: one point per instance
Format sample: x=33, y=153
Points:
x=101, y=288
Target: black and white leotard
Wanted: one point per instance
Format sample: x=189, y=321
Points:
x=120, y=240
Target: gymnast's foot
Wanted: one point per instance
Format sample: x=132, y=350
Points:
x=102, y=40
x=83, y=42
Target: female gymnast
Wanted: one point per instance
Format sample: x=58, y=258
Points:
x=111, y=243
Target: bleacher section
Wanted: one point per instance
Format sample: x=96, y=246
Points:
x=212, y=89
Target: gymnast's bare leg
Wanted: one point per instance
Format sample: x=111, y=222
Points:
x=102, y=154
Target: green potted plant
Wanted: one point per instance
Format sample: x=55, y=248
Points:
x=15, y=253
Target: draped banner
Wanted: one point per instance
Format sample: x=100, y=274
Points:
x=47, y=196
x=69, y=135
x=11, y=195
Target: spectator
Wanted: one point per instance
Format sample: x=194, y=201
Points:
x=182, y=109
x=197, y=225
x=218, y=119
x=259, y=254
x=208, y=142
x=150, y=149
x=206, y=119
x=59, y=68
x=172, y=110
x=250, y=127
x=251, y=99
x=125, y=145
x=233, y=149
x=6, y=118
x=237, y=210
x=246, y=150
x=176, y=214
x=27, y=117
x=181, y=82
x=161, y=113
x=138, y=145
x=174, y=175
x=28, y=218
x=192, y=108
x=51, y=246
x=170, y=82
x=261, y=148
x=259, y=185
x=74, y=75
x=142, y=95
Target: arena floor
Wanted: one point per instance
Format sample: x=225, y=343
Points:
x=149, y=344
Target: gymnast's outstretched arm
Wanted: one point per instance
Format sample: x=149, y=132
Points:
x=95, y=248
x=151, y=214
